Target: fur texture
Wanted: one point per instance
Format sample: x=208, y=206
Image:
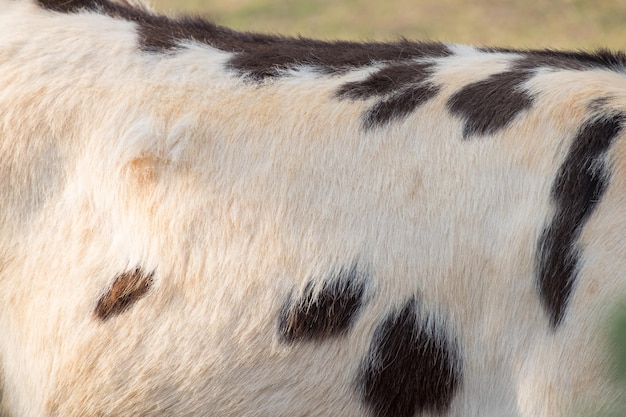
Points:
x=195, y=221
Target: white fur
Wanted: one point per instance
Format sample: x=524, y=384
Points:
x=235, y=193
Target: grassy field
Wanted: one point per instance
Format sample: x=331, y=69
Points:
x=578, y=24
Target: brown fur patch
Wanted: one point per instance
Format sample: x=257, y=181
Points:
x=143, y=170
x=127, y=289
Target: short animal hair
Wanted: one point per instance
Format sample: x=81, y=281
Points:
x=196, y=221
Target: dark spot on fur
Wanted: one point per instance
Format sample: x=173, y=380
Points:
x=576, y=191
x=570, y=60
x=127, y=289
x=328, y=311
x=491, y=104
x=390, y=79
x=70, y=6
x=268, y=58
x=412, y=366
x=399, y=105
x=402, y=88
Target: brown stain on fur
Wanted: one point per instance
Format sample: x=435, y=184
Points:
x=143, y=171
x=127, y=289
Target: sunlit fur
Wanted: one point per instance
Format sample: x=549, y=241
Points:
x=236, y=193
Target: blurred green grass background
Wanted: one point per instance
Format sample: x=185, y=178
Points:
x=573, y=24
x=570, y=24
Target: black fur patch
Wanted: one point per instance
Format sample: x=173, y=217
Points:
x=70, y=6
x=390, y=79
x=126, y=290
x=491, y=104
x=257, y=56
x=266, y=59
x=576, y=191
x=572, y=60
x=402, y=88
x=412, y=366
x=399, y=105
x=328, y=312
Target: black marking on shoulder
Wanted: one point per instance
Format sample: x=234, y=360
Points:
x=402, y=88
x=578, y=188
x=258, y=56
x=399, y=105
x=328, y=311
x=413, y=366
x=390, y=79
x=491, y=104
x=127, y=289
